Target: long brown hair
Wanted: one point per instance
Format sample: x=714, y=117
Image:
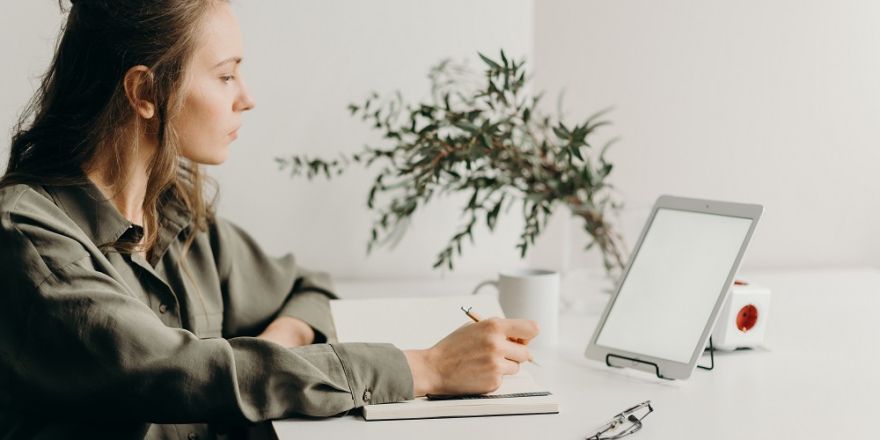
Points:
x=80, y=117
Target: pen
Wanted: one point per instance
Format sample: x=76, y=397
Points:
x=476, y=318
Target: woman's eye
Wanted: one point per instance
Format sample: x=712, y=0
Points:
x=227, y=78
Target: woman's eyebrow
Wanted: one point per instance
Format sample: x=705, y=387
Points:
x=237, y=60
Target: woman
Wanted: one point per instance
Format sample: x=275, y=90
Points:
x=127, y=308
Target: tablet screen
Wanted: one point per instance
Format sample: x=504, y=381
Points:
x=677, y=275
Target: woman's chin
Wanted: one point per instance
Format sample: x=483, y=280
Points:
x=215, y=157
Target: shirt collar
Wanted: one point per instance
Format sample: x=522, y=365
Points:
x=104, y=224
x=91, y=211
x=174, y=217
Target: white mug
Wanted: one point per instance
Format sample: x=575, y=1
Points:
x=530, y=294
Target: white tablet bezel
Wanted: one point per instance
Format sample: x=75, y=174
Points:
x=666, y=368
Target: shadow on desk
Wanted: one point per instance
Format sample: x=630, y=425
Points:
x=626, y=375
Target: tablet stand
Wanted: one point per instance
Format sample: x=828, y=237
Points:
x=711, y=349
x=711, y=366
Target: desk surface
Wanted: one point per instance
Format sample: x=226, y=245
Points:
x=815, y=378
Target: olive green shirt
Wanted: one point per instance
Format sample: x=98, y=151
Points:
x=98, y=343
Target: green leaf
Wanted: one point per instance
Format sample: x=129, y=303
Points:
x=560, y=133
x=492, y=215
x=472, y=203
x=522, y=249
x=487, y=141
x=371, y=197
x=467, y=126
x=597, y=115
x=520, y=80
x=493, y=89
x=598, y=124
x=605, y=148
x=428, y=128
x=489, y=62
x=587, y=176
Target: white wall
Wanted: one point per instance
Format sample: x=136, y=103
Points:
x=768, y=102
x=305, y=62
x=27, y=38
x=773, y=102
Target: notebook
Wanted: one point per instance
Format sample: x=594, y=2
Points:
x=426, y=321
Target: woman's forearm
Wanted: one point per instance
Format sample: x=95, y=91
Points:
x=289, y=332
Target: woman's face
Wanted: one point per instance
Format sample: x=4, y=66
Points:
x=215, y=94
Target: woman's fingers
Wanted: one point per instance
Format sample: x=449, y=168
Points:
x=516, y=352
x=519, y=329
x=513, y=334
x=509, y=367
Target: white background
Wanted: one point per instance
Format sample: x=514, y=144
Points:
x=774, y=103
x=769, y=102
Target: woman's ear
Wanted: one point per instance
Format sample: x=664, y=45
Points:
x=138, y=82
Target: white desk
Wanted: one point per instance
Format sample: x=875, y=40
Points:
x=817, y=377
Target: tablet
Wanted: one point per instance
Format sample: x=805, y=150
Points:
x=678, y=277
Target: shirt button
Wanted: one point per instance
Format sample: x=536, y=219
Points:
x=163, y=309
x=193, y=436
x=367, y=396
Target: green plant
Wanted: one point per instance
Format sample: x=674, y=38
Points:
x=486, y=138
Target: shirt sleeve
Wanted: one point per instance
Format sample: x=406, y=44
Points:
x=257, y=288
x=75, y=341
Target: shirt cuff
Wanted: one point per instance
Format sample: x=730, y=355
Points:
x=376, y=373
x=313, y=308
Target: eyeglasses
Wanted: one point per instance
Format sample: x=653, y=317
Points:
x=625, y=423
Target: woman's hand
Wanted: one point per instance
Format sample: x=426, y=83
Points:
x=288, y=332
x=472, y=359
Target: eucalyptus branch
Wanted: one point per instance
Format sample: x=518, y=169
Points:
x=485, y=136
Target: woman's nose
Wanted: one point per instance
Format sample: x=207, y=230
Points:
x=245, y=101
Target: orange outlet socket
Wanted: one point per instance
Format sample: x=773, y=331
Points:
x=746, y=318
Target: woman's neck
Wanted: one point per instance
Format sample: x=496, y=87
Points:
x=128, y=197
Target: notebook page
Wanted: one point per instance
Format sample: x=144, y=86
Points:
x=408, y=323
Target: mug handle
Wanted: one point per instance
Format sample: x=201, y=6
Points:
x=485, y=283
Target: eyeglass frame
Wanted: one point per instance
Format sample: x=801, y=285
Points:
x=619, y=419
